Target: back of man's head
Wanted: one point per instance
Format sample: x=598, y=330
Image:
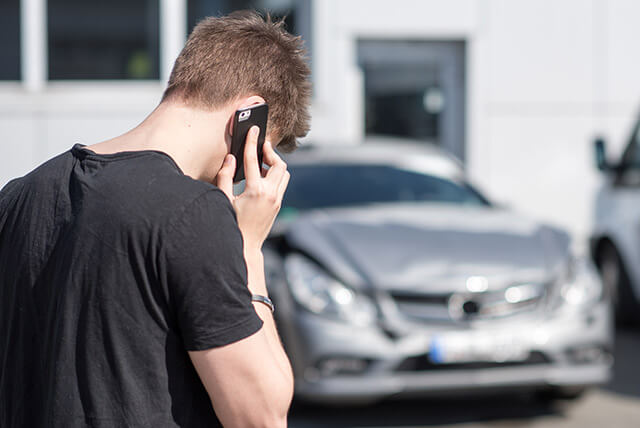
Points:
x=242, y=54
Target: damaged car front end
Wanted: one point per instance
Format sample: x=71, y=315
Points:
x=431, y=293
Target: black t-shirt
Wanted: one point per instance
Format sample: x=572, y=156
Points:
x=112, y=267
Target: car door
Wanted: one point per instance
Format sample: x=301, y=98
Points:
x=625, y=207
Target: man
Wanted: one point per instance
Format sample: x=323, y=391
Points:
x=132, y=290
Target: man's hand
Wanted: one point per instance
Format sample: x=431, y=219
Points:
x=257, y=207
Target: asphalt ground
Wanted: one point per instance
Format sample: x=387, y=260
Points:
x=615, y=405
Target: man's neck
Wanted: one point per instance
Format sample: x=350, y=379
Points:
x=197, y=140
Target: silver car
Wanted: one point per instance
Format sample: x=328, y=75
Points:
x=393, y=276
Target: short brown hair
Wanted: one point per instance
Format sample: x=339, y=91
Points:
x=240, y=54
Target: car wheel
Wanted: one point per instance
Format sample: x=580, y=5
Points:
x=617, y=283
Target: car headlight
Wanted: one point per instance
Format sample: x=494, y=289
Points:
x=580, y=284
x=317, y=291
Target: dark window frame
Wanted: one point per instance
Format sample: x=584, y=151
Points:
x=12, y=40
x=129, y=53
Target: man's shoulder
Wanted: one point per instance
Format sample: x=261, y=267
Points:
x=38, y=182
x=43, y=173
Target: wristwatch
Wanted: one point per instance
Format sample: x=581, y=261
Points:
x=264, y=300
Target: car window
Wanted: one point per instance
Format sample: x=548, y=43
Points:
x=631, y=155
x=628, y=172
x=334, y=185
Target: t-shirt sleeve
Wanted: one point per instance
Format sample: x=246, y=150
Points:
x=206, y=276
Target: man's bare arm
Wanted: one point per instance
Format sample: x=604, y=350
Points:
x=250, y=382
x=255, y=267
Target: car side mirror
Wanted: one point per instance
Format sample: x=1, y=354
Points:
x=599, y=146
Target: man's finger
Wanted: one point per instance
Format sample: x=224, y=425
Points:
x=251, y=167
x=224, y=179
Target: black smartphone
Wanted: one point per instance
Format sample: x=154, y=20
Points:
x=244, y=119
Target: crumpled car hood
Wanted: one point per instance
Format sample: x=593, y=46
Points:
x=429, y=247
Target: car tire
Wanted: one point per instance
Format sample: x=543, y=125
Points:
x=617, y=284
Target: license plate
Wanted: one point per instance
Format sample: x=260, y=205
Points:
x=476, y=346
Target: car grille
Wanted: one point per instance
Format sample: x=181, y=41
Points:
x=467, y=307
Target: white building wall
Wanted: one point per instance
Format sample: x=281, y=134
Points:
x=554, y=86
x=35, y=126
x=543, y=77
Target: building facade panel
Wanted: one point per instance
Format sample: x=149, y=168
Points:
x=541, y=79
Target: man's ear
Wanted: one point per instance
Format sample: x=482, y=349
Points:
x=242, y=103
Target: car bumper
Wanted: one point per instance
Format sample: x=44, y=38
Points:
x=573, y=349
x=373, y=388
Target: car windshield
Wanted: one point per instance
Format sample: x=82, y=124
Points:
x=335, y=185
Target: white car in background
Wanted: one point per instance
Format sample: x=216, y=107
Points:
x=615, y=242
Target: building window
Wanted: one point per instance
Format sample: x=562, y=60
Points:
x=198, y=9
x=97, y=39
x=415, y=89
x=10, y=40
